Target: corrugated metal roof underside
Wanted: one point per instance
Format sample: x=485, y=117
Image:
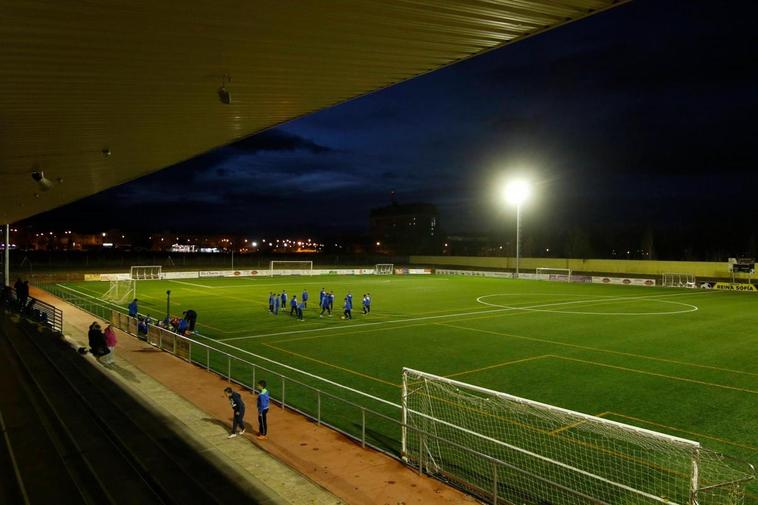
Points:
x=140, y=77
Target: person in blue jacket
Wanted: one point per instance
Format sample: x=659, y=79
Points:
x=263, y=401
x=133, y=308
x=271, y=302
x=293, y=306
x=304, y=298
x=276, y=305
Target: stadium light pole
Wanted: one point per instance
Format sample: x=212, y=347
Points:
x=516, y=193
x=168, y=305
x=6, y=266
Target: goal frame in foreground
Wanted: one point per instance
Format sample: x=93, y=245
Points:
x=306, y=268
x=678, y=280
x=384, y=269
x=121, y=291
x=544, y=273
x=506, y=449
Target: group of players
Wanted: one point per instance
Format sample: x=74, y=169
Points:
x=279, y=301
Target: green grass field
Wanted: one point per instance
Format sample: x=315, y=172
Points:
x=682, y=362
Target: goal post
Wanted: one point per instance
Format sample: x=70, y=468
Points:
x=291, y=268
x=507, y=449
x=121, y=291
x=553, y=274
x=146, y=272
x=384, y=269
x=678, y=280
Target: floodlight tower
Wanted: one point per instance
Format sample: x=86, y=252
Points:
x=516, y=192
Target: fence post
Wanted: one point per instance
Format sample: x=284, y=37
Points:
x=189, y=351
x=254, y=383
x=318, y=407
x=282, y=392
x=420, y=452
x=363, y=427
x=208, y=358
x=228, y=369
x=160, y=339
x=174, y=344
x=494, y=483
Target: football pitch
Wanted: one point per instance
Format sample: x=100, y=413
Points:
x=678, y=361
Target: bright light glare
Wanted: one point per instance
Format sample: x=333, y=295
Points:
x=516, y=192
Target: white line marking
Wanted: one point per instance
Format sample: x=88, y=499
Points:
x=412, y=319
x=689, y=307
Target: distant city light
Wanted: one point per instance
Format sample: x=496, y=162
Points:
x=103, y=234
x=378, y=243
x=254, y=244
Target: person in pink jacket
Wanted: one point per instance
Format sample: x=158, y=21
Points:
x=110, y=341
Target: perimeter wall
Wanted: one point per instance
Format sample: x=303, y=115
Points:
x=700, y=269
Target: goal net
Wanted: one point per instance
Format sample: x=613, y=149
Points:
x=506, y=449
x=291, y=268
x=554, y=274
x=121, y=291
x=678, y=280
x=146, y=272
x=384, y=269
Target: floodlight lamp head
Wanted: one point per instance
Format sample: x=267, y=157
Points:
x=516, y=192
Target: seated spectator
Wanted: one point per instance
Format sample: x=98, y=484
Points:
x=142, y=328
x=97, y=341
x=182, y=327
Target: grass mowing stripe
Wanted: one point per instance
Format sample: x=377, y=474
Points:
x=497, y=365
x=598, y=349
x=673, y=428
x=656, y=374
x=332, y=365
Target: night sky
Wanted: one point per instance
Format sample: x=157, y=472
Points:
x=641, y=120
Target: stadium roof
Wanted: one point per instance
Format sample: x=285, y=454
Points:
x=95, y=94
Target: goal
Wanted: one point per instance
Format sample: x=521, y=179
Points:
x=121, y=291
x=384, y=269
x=506, y=449
x=146, y=272
x=554, y=274
x=678, y=280
x=291, y=268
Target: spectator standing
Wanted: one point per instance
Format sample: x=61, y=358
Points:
x=18, y=286
x=133, y=308
x=191, y=317
x=263, y=401
x=238, y=412
x=110, y=343
x=24, y=295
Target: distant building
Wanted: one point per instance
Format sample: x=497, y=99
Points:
x=411, y=228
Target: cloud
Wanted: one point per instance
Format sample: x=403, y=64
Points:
x=278, y=140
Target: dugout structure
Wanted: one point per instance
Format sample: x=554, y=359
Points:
x=506, y=449
x=678, y=280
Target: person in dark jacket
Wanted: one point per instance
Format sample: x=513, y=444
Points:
x=238, y=409
x=97, y=345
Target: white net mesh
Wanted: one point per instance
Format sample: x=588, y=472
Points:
x=554, y=274
x=291, y=268
x=501, y=447
x=121, y=291
x=384, y=269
